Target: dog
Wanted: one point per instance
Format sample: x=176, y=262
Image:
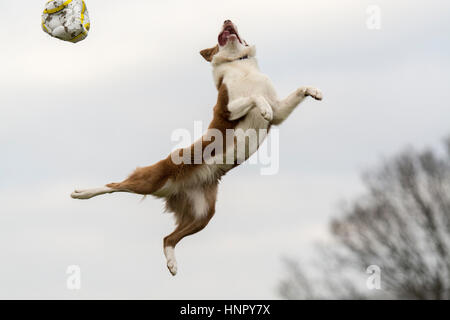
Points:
x=246, y=100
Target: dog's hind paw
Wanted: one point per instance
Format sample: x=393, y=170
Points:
x=172, y=266
x=90, y=193
x=81, y=194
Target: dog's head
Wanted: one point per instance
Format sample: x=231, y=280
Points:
x=230, y=45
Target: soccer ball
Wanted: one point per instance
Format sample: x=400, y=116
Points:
x=66, y=20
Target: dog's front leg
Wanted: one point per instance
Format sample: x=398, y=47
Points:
x=240, y=107
x=286, y=106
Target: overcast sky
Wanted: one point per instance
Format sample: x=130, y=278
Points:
x=87, y=114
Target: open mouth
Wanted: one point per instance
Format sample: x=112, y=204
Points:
x=228, y=33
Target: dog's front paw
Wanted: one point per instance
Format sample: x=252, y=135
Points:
x=310, y=91
x=265, y=108
x=267, y=113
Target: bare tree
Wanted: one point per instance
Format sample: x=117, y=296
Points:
x=401, y=225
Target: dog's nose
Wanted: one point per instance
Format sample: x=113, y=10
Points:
x=227, y=21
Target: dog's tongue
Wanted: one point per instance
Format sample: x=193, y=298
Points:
x=226, y=33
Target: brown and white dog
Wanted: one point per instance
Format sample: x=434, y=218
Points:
x=246, y=100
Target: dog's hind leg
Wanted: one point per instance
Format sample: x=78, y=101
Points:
x=147, y=180
x=90, y=193
x=142, y=181
x=183, y=230
x=192, y=216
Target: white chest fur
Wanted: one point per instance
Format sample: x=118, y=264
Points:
x=243, y=79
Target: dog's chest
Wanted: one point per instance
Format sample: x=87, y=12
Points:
x=246, y=83
x=242, y=83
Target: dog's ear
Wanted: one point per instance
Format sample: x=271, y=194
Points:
x=208, y=54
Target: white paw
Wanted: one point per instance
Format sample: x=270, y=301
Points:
x=82, y=194
x=172, y=266
x=89, y=193
x=312, y=92
x=267, y=114
x=265, y=109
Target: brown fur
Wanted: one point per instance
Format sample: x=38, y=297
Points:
x=187, y=223
x=209, y=53
x=148, y=180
